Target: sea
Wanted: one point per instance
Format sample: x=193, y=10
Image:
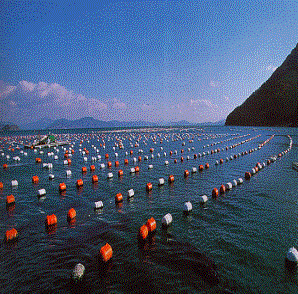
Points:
x=235, y=242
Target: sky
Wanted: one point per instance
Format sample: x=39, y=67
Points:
x=157, y=61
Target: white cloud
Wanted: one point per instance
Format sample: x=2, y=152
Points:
x=118, y=104
x=28, y=102
x=271, y=68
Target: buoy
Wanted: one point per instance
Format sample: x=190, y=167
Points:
x=4, y=166
x=10, y=200
x=110, y=175
x=109, y=164
x=1, y=186
x=214, y=192
x=35, y=179
x=131, y=193
x=102, y=165
x=106, y=252
x=171, y=179
x=137, y=169
x=143, y=232
x=201, y=167
x=14, y=183
x=175, y=160
x=62, y=187
x=161, y=181
x=71, y=214
x=148, y=187
x=79, y=183
x=78, y=272
x=167, y=220
x=186, y=173
x=151, y=225
x=116, y=163
x=125, y=161
x=229, y=186
x=68, y=173
x=69, y=161
x=222, y=189
x=239, y=181
x=41, y=192
x=291, y=259
x=247, y=175
x=92, y=168
x=120, y=173
x=132, y=170
x=118, y=198
x=166, y=162
x=150, y=166
x=182, y=159
x=98, y=205
x=207, y=165
x=11, y=235
x=106, y=156
x=94, y=179
x=234, y=183
x=51, y=220
x=187, y=207
x=38, y=160
x=203, y=199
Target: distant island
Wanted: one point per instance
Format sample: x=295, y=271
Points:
x=275, y=103
x=9, y=127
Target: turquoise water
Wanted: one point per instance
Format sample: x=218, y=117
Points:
x=235, y=243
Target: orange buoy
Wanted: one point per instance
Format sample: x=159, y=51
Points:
x=71, y=214
x=51, y=220
x=87, y=152
x=175, y=160
x=107, y=156
x=62, y=187
x=118, y=198
x=139, y=158
x=247, y=175
x=171, y=179
x=106, y=252
x=221, y=161
x=222, y=189
x=207, y=165
x=11, y=235
x=92, y=167
x=201, y=167
x=137, y=169
x=120, y=173
x=66, y=155
x=182, y=159
x=72, y=151
x=148, y=187
x=125, y=161
x=171, y=152
x=131, y=152
x=84, y=169
x=4, y=166
x=214, y=193
x=186, y=173
x=182, y=150
x=94, y=179
x=1, y=185
x=116, y=163
x=151, y=225
x=38, y=160
x=143, y=232
x=109, y=164
x=10, y=200
x=79, y=183
x=35, y=179
x=195, y=156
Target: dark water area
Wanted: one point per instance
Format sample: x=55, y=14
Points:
x=235, y=243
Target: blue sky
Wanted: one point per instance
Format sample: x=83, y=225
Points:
x=138, y=60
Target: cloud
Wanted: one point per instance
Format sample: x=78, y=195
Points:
x=271, y=68
x=203, y=103
x=29, y=102
x=215, y=84
x=118, y=104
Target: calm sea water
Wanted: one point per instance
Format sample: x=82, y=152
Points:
x=233, y=244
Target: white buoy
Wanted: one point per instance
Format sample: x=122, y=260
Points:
x=98, y=205
x=68, y=173
x=234, y=183
x=131, y=193
x=51, y=176
x=110, y=175
x=216, y=162
x=78, y=272
x=102, y=165
x=229, y=186
x=98, y=157
x=240, y=181
x=166, y=162
x=253, y=171
x=132, y=170
x=14, y=183
x=65, y=162
x=292, y=258
x=41, y=192
x=167, y=220
x=161, y=181
x=158, y=155
x=194, y=170
x=85, y=159
x=187, y=207
x=56, y=157
x=150, y=166
x=203, y=199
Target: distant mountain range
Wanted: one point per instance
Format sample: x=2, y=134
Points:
x=90, y=122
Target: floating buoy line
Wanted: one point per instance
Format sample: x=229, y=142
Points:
x=149, y=228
